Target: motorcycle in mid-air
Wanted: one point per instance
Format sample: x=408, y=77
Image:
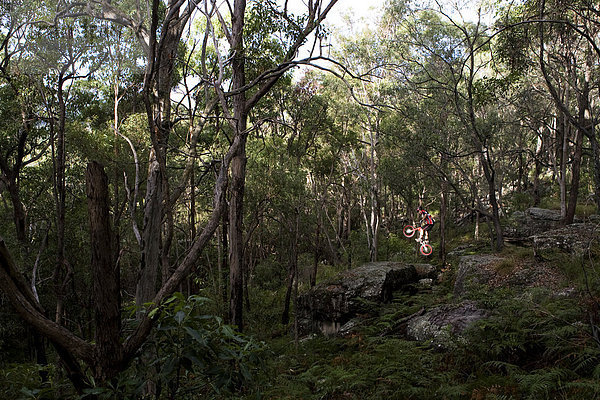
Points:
x=424, y=246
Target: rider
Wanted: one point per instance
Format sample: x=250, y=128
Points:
x=427, y=222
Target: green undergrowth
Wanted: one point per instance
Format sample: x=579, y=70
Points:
x=535, y=344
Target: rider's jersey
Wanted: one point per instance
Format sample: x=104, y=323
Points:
x=428, y=219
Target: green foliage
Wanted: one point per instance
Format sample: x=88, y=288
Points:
x=393, y=247
x=12, y=332
x=532, y=345
x=373, y=369
x=585, y=210
x=519, y=201
x=24, y=381
x=268, y=35
x=536, y=339
x=308, y=153
x=269, y=274
x=196, y=353
x=189, y=355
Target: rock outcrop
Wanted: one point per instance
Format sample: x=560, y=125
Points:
x=494, y=272
x=533, y=221
x=474, y=270
x=330, y=305
x=441, y=323
x=572, y=239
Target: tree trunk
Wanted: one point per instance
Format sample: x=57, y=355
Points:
x=596, y=155
x=146, y=286
x=317, y=250
x=373, y=187
x=223, y=256
x=538, y=170
x=62, y=272
x=575, y=178
x=19, y=215
x=236, y=242
x=499, y=239
x=292, y=267
x=583, y=104
x=158, y=79
x=238, y=169
x=105, y=277
x=562, y=150
x=476, y=233
x=443, y=212
x=374, y=224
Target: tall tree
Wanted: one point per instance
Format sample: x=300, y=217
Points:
x=160, y=40
x=241, y=106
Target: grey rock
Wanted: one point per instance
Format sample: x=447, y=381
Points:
x=533, y=221
x=572, y=239
x=426, y=282
x=442, y=323
x=471, y=270
x=542, y=214
x=425, y=271
x=464, y=249
x=494, y=272
x=349, y=327
x=518, y=215
x=329, y=305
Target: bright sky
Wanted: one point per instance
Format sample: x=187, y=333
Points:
x=349, y=17
x=346, y=18
x=362, y=12
x=359, y=11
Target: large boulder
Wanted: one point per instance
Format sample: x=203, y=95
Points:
x=533, y=221
x=443, y=322
x=329, y=305
x=574, y=239
x=474, y=270
x=495, y=272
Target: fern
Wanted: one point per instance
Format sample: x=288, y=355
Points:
x=587, y=362
x=502, y=366
x=596, y=372
x=582, y=389
x=540, y=383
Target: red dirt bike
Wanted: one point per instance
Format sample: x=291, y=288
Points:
x=425, y=248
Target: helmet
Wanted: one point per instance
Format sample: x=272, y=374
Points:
x=420, y=209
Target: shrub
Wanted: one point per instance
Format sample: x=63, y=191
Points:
x=190, y=355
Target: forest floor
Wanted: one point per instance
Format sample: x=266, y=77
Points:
x=539, y=339
x=533, y=345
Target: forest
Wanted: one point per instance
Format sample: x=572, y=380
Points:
x=208, y=199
